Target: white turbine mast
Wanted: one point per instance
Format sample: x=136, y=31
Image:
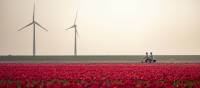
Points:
x=34, y=23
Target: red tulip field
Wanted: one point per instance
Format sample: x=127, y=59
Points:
x=100, y=75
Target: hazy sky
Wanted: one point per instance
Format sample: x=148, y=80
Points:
x=119, y=27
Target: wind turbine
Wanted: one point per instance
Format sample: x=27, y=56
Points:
x=34, y=23
x=75, y=34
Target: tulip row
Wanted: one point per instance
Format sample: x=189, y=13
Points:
x=99, y=75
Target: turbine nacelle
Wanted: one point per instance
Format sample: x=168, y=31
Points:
x=74, y=26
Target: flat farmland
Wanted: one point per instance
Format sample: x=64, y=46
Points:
x=99, y=59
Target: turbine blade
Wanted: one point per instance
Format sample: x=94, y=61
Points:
x=77, y=33
x=70, y=27
x=76, y=17
x=41, y=26
x=25, y=26
x=34, y=11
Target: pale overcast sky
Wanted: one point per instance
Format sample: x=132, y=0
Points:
x=106, y=27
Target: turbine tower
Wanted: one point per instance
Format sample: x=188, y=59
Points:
x=75, y=34
x=34, y=23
